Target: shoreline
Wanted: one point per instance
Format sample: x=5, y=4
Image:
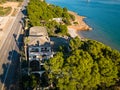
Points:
x=74, y=33
x=81, y=26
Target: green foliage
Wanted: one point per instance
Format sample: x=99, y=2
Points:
x=75, y=43
x=65, y=9
x=75, y=22
x=28, y=81
x=51, y=27
x=62, y=29
x=90, y=64
x=108, y=71
x=38, y=10
x=5, y=11
x=57, y=61
x=66, y=21
x=72, y=17
x=41, y=14
x=3, y=1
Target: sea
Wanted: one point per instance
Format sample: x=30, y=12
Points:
x=102, y=15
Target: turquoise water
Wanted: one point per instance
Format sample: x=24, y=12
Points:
x=102, y=15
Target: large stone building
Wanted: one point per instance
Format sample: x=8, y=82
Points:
x=39, y=49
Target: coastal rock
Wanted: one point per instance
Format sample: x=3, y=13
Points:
x=81, y=25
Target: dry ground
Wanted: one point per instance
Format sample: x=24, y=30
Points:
x=6, y=21
x=14, y=5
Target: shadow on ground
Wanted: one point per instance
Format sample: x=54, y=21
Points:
x=57, y=42
x=10, y=71
x=19, y=40
x=24, y=11
x=10, y=74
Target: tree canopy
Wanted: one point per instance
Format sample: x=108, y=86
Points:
x=2, y=1
x=41, y=14
x=89, y=65
x=39, y=11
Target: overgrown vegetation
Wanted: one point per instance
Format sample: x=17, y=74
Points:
x=5, y=11
x=90, y=65
x=42, y=14
x=3, y=1
x=86, y=65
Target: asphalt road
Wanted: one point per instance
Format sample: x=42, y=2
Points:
x=9, y=53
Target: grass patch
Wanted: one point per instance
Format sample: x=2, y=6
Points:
x=75, y=23
x=5, y=11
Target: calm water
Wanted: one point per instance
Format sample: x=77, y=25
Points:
x=102, y=15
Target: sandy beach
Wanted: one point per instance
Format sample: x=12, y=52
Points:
x=72, y=32
x=72, y=29
x=81, y=25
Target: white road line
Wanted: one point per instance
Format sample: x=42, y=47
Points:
x=12, y=52
x=7, y=70
x=8, y=47
x=14, y=46
x=10, y=62
x=9, y=30
x=19, y=31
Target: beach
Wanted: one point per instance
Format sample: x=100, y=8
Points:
x=80, y=26
x=72, y=32
x=102, y=15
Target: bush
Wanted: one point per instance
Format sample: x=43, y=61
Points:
x=5, y=11
x=75, y=22
x=72, y=17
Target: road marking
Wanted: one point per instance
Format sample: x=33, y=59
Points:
x=11, y=56
x=14, y=46
x=12, y=52
x=19, y=31
x=7, y=69
x=10, y=29
x=8, y=48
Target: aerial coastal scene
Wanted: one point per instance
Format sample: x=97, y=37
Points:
x=101, y=15
x=59, y=45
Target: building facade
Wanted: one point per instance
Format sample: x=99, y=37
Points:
x=39, y=49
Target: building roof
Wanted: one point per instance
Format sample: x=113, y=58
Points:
x=38, y=35
x=38, y=40
x=38, y=31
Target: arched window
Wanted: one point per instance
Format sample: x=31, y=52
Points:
x=35, y=65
